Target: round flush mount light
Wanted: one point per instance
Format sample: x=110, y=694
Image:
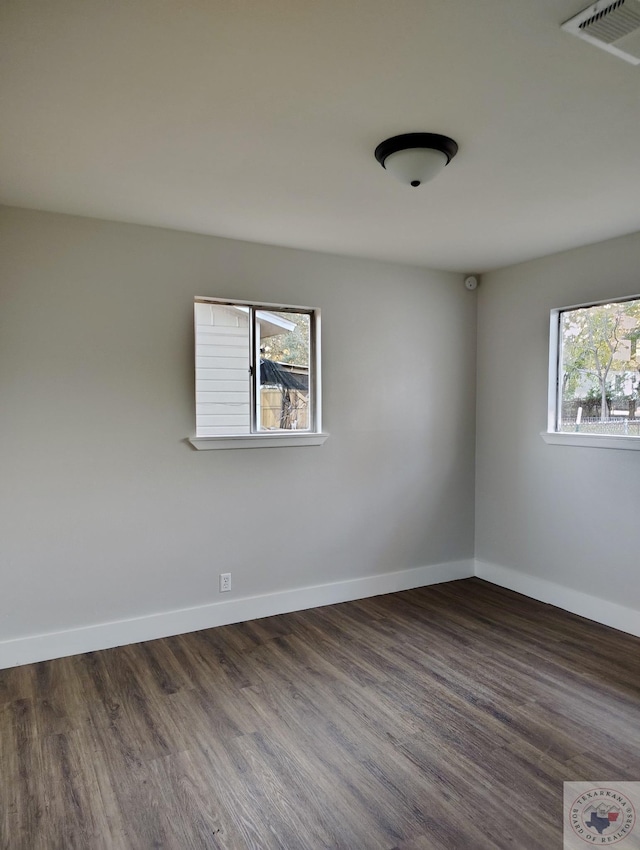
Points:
x=415, y=158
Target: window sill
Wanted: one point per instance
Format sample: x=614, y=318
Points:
x=257, y=441
x=591, y=441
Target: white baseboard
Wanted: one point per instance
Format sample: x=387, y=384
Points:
x=592, y=607
x=44, y=647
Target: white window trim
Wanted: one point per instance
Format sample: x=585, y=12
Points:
x=273, y=439
x=566, y=438
x=258, y=441
x=591, y=441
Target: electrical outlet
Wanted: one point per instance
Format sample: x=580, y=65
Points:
x=225, y=582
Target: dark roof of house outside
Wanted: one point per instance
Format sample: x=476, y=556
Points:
x=277, y=374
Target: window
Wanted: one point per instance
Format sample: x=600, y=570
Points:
x=257, y=374
x=594, y=386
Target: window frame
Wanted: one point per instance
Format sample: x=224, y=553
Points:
x=256, y=438
x=553, y=435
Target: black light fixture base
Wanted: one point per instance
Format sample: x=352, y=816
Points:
x=405, y=141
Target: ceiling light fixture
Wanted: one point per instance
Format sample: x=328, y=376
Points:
x=415, y=158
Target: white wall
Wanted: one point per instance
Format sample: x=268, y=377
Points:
x=108, y=513
x=559, y=514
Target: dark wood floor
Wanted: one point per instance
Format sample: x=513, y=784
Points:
x=445, y=717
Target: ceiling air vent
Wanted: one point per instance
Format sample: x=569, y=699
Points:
x=613, y=26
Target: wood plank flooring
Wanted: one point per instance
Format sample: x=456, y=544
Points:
x=444, y=718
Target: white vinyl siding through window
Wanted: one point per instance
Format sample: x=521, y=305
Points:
x=222, y=370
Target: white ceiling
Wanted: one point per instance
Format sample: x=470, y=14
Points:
x=257, y=119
